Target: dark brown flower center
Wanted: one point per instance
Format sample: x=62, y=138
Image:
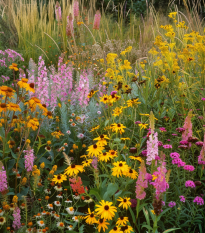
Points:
x=121, y=218
x=3, y=105
x=101, y=220
x=106, y=207
x=31, y=85
x=44, y=105
x=49, y=113
x=12, y=143
x=112, y=153
x=120, y=165
x=115, y=228
x=118, y=125
x=92, y=215
x=102, y=136
x=58, y=177
x=105, y=153
x=130, y=171
x=95, y=146
x=73, y=166
x=125, y=200
x=1, y=219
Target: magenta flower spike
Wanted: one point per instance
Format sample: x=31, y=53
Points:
x=76, y=8
x=96, y=24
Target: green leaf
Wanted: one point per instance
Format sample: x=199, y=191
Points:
x=81, y=229
x=106, y=122
x=146, y=214
x=14, y=155
x=11, y=163
x=169, y=230
x=10, y=193
x=111, y=190
x=148, y=227
x=94, y=192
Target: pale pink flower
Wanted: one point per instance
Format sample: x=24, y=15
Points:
x=97, y=20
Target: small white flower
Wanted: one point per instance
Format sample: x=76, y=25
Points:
x=43, y=213
x=73, y=114
x=56, y=216
x=88, y=200
x=1, y=212
x=38, y=215
x=65, y=144
x=98, y=112
x=70, y=227
x=70, y=210
x=75, y=218
x=76, y=197
x=68, y=132
x=52, y=213
x=41, y=223
x=68, y=201
x=57, y=203
x=80, y=135
x=59, y=196
x=50, y=206
x=29, y=230
x=2, y=220
x=47, y=191
x=60, y=225
x=58, y=188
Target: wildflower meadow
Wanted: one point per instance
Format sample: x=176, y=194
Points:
x=102, y=116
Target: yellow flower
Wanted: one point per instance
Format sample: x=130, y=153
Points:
x=11, y=143
x=75, y=146
x=33, y=123
x=79, y=23
x=90, y=218
x=30, y=87
x=73, y=170
x=83, y=146
x=3, y=107
x=143, y=125
x=118, y=128
x=131, y=173
x=104, y=99
x=13, y=67
x=6, y=91
x=117, y=111
x=49, y=142
x=106, y=210
x=95, y=150
x=101, y=140
x=119, y=168
x=13, y=107
x=59, y=178
x=15, y=199
x=42, y=165
x=102, y=224
x=23, y=83
x=87, y=163
x=24, y=180
x=59, y=105
x=28, y=141
x=121, y=221
x=124, y=202
x=54, y=168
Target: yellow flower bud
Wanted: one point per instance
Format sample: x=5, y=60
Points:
x=54, y=168
x=24, y=180
x=42, y=165
x=15, y=199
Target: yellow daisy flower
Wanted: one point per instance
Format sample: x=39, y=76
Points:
x=106, y=210
x=125, y=202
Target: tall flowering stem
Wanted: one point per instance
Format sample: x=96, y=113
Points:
x=69, y=27
x=96, y=24
x=3, y=179
x=29, y=159
x=201, y=157
x=188, y=128
x=58, y=12
x=152, y=147
x=76, y=9
x=17, y=218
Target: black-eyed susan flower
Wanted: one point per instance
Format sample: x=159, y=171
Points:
x=116, y=230
x=6, y=91
x=90, y=218
x=87, y=162
x=3, y=107
x=13, y=67
x=59, y=178
x=102, y=224
x=119, y=168
x=13, y=107
x=112, y=153
x=126, y=229
x=104, y=157
x=106, y=210
x=33, y=123
x=23, y=83
x=101, y=140
x=104, y=99
x=143, y=125
x=94, y=150
x=121, y=221
x=48, y=114
x=117, y=111
x=73, y=170
x=11, y=143
x=30, y=87
x=118, y=128
x=131, y=173
x=136, y=158
x=124, y=202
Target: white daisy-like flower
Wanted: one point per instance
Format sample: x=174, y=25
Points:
x=56, y=216
x=65, y=144
x=50, y=206
x=73, y=114
x=29, y=230
x=2, y=220
x=41, y=223
x=98, y=112
x=12, y=206
x=70, y=210
x=57, y=203
x=38, y=215
x=68, y=132
x=58, y=188
x=88, y=200
x=60, y=225
x=43, y=213
x=71, y=120
x=76, y=197
x=68, y=201
x=70, y=227
x=59, y=196
x=23, y=205
x=39, y=230
x=48, y=191
x=1, y=212
x=80, y=135
x=75, y=218
x=52, y=213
